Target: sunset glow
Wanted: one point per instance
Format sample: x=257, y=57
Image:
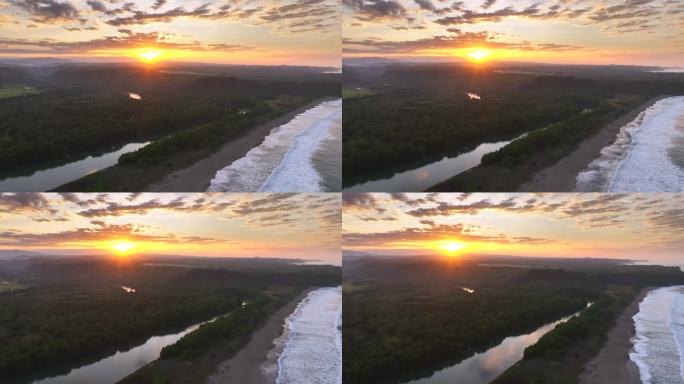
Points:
x=150, y=55
x=452, y=247
x=555, y=31
x=261, y=32
x=123, y=247
x=302, y=226
x=639, y=226
x=479, y=54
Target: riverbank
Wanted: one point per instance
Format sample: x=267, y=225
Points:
x=244, y=354
x=517, y=164
x=246, y=366
x=197, y=177
x=561, y=177
x=612, y=364
x=186, y=171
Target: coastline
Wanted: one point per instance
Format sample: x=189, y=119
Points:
x=561, y=177
x=245, y=366
x=198, y=176
x=612, y=364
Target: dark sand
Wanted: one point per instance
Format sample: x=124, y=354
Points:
x=561, y=176
x=196, y=178
x=613, y=365
x=246, y=366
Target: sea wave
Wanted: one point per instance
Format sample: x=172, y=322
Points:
x=283, y=161
x=659, y=338
x=313, y=351
x=640, y=158
x=297, y=171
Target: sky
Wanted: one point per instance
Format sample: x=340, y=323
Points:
x=292, y=32
x=627, y=226
x=303, y=226
x=634, y=32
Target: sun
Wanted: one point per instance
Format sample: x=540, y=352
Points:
x=452, y=247
x=479, y=54
x=123, y=247
x=150, y=55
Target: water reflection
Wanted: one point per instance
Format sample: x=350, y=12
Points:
x=483, y=368
x=128, y=289
x=47, y=179
x=116, y=367
x=422, y=178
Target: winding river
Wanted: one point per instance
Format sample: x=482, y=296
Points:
x=47, y=178
x=483, y=368
x=116, y=367
x=423, y=177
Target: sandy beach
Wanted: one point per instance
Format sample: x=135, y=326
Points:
x=196, y=177
x=560, y=177
x=612, y=365
x=245, y=366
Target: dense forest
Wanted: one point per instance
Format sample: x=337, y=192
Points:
x=393, y=128
x=75, y=309
x=408, y=318
x=86, y=109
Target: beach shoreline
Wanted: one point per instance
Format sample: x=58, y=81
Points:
x=197, y=176
x=245, y=366
x=612, y=364
x=561, y=177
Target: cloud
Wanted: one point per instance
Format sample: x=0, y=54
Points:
x=47, y=11
x=458, y=39
x=644, y=17
x=376, y=10
x=433, y=232
x=158, y=4
x=126, y=40
x=488, y=3
x=286, y=15
x=99, y=232
x=23, y=202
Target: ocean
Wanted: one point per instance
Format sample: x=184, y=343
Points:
x=659, y=339
x=313, y=340
x=647, y=155
x=303, y=155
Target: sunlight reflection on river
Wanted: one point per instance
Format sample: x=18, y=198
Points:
x=482, y=368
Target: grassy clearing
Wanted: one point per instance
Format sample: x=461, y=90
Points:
x=6, y=93
x=348, y=92
x=10, y=286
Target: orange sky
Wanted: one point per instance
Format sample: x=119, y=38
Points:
x=636, y=226
x=305, y=226
x=641, y=32
x=292, y=32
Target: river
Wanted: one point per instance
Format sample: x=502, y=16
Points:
x=483, y=368
x=423, y=177
x=47, y=178
x=116, y=367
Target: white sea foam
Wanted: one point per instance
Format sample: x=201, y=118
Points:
x=639, y=160
x=297, y=171
x=283, y=161
x=659, y=339
x=313, y=350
